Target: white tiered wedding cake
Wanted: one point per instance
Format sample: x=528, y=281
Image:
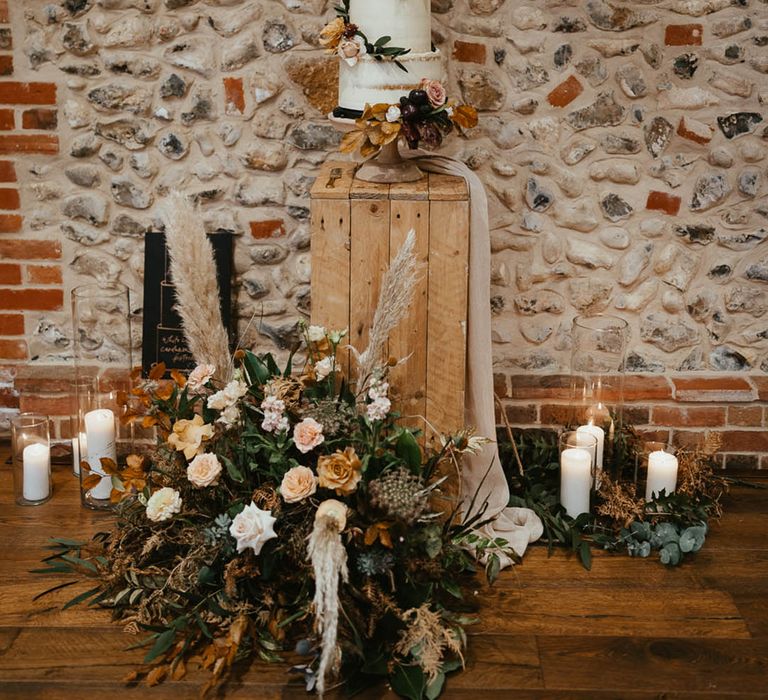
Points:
x=369, y=77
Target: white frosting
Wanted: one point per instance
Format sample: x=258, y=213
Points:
x=408, y=22
x=371, y=81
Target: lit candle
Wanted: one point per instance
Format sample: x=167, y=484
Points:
x=575, y=480
x=36, y=460
x=100, y=442
x=662, y=474
x=599, y=434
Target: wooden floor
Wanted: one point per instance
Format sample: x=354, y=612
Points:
x=629, y=629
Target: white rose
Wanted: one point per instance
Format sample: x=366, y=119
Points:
x=204, y=470
x=163, y=504
x=229, y=395
x=335, y=510
x=393, y=113
x=252, y=527
x=316, y=334
x=324, y=367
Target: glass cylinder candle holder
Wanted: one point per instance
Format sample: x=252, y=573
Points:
x=578, y=454
x=31, y=450
x=101, y=318
x=597, y=382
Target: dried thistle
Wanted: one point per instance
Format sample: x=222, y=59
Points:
x=287, y=389
x=618, y=503
x=696, y=476
x=197, y=290
x=427, y=640
x=394, y=301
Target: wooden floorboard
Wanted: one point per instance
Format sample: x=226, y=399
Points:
x=629, y=629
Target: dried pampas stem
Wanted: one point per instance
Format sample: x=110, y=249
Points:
x=329, y=561
x=193, y=269
x=397, y=290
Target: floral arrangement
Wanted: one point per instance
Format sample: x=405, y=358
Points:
x=342, y=37
x=422, y=118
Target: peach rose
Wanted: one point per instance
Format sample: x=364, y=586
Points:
x=307, y=435
x=340, y=471
x=435, y=92
x=298, y=483
x=204, y=470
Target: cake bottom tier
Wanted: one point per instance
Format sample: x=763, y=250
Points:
x=370, y=81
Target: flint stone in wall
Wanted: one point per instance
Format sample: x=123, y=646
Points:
x=111, y=158
x=658, y=132
x=615, y=208
x=700, y=302
x=699, y=8
x=524, y=18
x=739, y=123
x=639, y=298
x=758, y=271
x=85, y=235
x=314, y=136
x=239, y=53
x=619, y=144
x=589, y=255
x=720, y=157
x=668, y=333
x=696, y=233
x=744, y=299
x=277, y=36
x=92, y=208
x=536, y=332
x=124, y=225
x=128, y=194
x=612, y=19
x=132, y=134
x=632, y=81
x=710, y=190
x=608, y=48
x=128, y=64
x=84, y=146
x=234, y=21
x=104, y=268
x=725, y=359
x=614, y=237
x=76, y=40
x=538, y=302
x=481, y=89
x=197, y=56
x=284, y=336
x=129, y=31
x=579, y=215
x=687, y=98
x=633, y=263
x=593, y=69
x=83, y=175
x=749, y=182
x=577, y=150
x=731, y=84
x=590, y=295
x=624, y=172
x=605, y=111
x=120, y=98
x=742, y=240
x=173, y=86
x=260, y=191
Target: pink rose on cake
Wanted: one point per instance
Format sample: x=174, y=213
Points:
x=351, y=49
x=435, y=90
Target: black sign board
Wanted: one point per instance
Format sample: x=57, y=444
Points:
x=163, y=338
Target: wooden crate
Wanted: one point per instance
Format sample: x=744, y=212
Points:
x=357, y=228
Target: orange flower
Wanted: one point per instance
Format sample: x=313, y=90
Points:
x=340, y=471
x=331, y=34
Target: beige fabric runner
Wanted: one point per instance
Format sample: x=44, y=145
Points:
x=519, y=526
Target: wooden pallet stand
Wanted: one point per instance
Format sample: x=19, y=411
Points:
x=357, y=228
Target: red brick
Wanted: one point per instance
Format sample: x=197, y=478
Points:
x=746, y=416
x=49, y=405
x=674, y=416
x=745, y=441
x=742, y=462
x=761, y=384
x=9, y=198
x=644, y=388
x=29, y=143
x=45, y=379
x=11, y=324
x=4, y=14
x=469, y=52
x=662, y=201
x=532, y=386
x=10, y=273
x=654, y=435
x=691, y=439
x=713, y=389
x=7, y=120
x=566, y=92
x=10, y=223
x=557, y=414
x=500, y=385
x=691, y=134
x=7, y=171
x=637, y=415
x=44, y=274
x=6, y=65
x=16, y=93
x=683, y=35
x=32, y=299
x=234, y=95
x=518, y=414
x=13, y=349
x=30, y=250
x=269, y=228
x=45, y=119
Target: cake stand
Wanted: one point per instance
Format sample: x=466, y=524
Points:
x=387, y=166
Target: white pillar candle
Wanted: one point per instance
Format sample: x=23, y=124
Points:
x=599, y=434
x=100, y=442
x=575, y=480
x=662, y=474
x=36, y=460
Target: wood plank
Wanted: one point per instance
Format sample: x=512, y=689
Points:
x=418, y=190
x=447, y=188
x=409, y=339
x=447, y=323
x=361, y=189
x=639, y=612
x=330, y=244
x=714, y=666
x=369, y=262
x=334, y=180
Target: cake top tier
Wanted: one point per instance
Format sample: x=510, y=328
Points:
x=408, y=22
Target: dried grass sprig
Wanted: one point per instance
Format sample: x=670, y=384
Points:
x=618, y=502
x=193, y=269
x=395, y=298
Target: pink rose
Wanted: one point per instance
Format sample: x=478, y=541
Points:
x=435, y=92
x=200, y=376
x=308, y=434
x=298, y=483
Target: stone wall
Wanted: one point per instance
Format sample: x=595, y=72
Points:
x=623, y=147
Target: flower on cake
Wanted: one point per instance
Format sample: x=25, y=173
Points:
x=204, y=470
x=298, y=483
x=340, y=471
x=188, y=436
x=307, y=435
x=252, y=527
x=332, y=33
x=350, y=50
x=163, y=504
x=435, y=90
x=393, y=114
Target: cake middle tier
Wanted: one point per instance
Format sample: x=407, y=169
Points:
x=371, y=81
x=407, y=22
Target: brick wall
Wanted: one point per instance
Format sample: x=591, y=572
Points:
x=678, y=409
x=30, y=261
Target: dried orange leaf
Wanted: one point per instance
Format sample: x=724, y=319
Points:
x=179, y=378
x=157, y=371
x=352, y=141
x=157, y=675
x=108, y=465
x=91, y=481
